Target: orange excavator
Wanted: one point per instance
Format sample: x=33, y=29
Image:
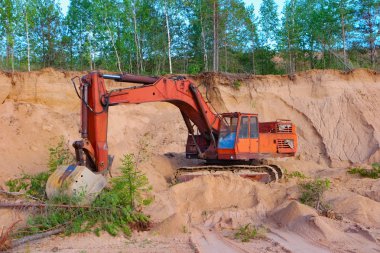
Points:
x=231, y=142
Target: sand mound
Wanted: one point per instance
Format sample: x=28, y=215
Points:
x=226, y=201
x=366, y=187
x=355, y=207
x=305, y=222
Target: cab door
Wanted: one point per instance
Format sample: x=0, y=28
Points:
x=243, y=140
x=254, y=135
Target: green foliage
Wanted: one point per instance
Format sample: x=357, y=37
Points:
x=236, y=84
x=59, y=155
x=247, y=232
x=311, y=34
x=372, y=173
x=113, y=211
x=34, y=185
x=269, y=22
x=295, y=174
x=130, y=189
x=312, y=192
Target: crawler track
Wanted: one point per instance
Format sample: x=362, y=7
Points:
x=262, y=173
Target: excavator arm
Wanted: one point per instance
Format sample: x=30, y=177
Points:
x=92, y=150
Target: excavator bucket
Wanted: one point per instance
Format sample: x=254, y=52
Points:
x=76, y=181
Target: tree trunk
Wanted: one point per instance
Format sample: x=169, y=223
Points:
x=169, y=40
x=27, y=38
x=292, y=53
x=225, y=56
x=136, y=39
x=216, y=43
x=114, y=46
x=253, y=50
x=205, y=59
x=342, y=22
x=290, y=68
x=90, y=51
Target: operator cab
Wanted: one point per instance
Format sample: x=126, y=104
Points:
x=242, y=137
x=238, y=136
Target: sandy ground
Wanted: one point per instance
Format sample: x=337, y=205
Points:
x=337, y=121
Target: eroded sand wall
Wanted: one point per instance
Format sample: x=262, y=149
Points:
x=336, y=115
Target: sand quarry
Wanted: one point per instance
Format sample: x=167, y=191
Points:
x=338, y=123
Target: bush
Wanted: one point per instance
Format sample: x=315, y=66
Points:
x=247, y=232
x=236, y=84
x=312, y=193
x=372, y=173
x=115, y=210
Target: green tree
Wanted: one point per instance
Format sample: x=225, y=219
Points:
x=8, y=20
x=269, y=23
x=252, y=34
x=368, y=25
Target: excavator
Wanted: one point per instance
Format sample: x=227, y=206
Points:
x=231, y=142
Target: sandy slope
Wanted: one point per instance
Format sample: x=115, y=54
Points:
x=337, y=126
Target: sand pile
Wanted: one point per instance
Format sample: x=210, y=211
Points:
x=356, y=207
x=334, y=235
x=224, y=201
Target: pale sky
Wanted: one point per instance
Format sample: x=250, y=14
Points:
x=256, y=3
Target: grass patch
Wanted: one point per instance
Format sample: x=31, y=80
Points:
x=371, y=173
x=34, y=185
x=312, y=193
x=295, y=174
x=236, y=84
x=248, y=232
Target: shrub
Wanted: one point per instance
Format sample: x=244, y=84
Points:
x=312, y=193
x=236, y=84
x=295, y=174
x=372, y=173
x=247, y=232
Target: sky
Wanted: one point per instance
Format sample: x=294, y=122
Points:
x=256, y=3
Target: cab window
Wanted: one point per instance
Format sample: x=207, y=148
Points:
x=254, y=128
x=227, y=134
x=243, y=130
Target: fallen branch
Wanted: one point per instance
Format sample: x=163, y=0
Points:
x=41, y=205
x=29, y=238
x=17, y=194
x=4, y=237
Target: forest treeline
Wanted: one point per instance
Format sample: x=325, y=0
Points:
x=189, y=36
